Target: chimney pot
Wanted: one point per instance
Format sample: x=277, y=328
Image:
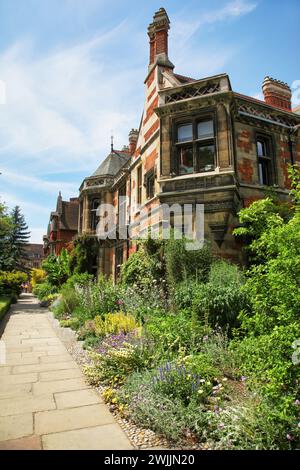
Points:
x=133, y=137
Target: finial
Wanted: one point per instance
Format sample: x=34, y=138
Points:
x=112, y=142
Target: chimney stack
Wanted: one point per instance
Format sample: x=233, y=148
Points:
x=158, y=35
x=277, y=93
x=133, y=137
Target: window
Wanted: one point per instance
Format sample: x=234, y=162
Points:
x=265, y=172
x=149, y=183
x=195, y=146
x=139, y=185
x=122, y=205
x=95, y=203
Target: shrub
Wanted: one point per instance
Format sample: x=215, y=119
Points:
x=117, y=357
x=43, y=290
x=173, y=399
x=182, y=264
x=11, y=282
x=72, y=323
x=4, y=306
x=114, y=323
x=174, y=333
x=218, y=301
x=37, y=276
x=96, y=298
x=57, y=268
x=141, y=268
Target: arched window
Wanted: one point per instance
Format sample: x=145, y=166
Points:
x=95, y=203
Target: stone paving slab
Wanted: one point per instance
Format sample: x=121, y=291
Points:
x=44, y=399
x=76, y=398
x=107, y=437
x=25, y=443
x=12, y=427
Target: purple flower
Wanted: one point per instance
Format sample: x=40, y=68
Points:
x=289, y=437
x=243, y=378
x=205, y=338
x=297, y=402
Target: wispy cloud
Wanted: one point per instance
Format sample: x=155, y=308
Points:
x=37, y=184
x=60, y=108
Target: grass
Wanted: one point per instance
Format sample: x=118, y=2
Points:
x=4, y=305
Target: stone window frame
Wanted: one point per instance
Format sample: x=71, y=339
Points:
x=269, y=141
x=194, y=118
x=149, y=183
x=94, y=219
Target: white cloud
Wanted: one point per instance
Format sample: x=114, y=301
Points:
x=38, y=184
x=60, y=108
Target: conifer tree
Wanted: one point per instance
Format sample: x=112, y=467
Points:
x=18, y=238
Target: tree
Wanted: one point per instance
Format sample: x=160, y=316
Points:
x=5, y=228
x=17, y=240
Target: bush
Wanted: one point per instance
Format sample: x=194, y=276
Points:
x=114, y=323
x=117, y=357
x=96, y=298
x=141, y=268
x=182, y=264
x=43, y=290
x=218, y=301
x=11, y=282
x=57, y=268
x=5, y=303
x=72, y=323
x=37, y=277
x=172, y=334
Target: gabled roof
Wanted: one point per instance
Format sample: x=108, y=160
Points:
x=69, y=215
x=113, y=163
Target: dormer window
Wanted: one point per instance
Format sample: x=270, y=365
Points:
x=195, y=146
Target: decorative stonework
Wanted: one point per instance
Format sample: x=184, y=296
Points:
x=192, y=91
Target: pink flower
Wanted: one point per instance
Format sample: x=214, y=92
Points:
x=289, y=437
x=297, y=402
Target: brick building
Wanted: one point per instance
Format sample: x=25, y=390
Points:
x=34, y=255
x=198, y=142
x=62, y=227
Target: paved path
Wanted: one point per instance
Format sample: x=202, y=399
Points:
x=45, y=402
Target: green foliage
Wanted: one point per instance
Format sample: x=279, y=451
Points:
x=218, y=301
x=114, y=323
x=183, y=264
x=115, y=364
x=141, y=268
x=72, y=323
x=37, y=276
x=96, y=298
x=172, y=334
x=11, y=282
x=43, y=290
x=57, y=268
x=5, y=303
x=83, y=255
x=14, y=236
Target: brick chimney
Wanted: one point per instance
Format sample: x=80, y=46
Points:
x=133, y=137
x=158, y=35
x=277, y=93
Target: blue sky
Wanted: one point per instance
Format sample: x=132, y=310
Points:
x=73, y=71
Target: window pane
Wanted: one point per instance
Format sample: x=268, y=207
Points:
x=206, y=158
x=185, y=157
x=261, y=148
x=205, y=129
x=185, y=133
x=264, y=171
